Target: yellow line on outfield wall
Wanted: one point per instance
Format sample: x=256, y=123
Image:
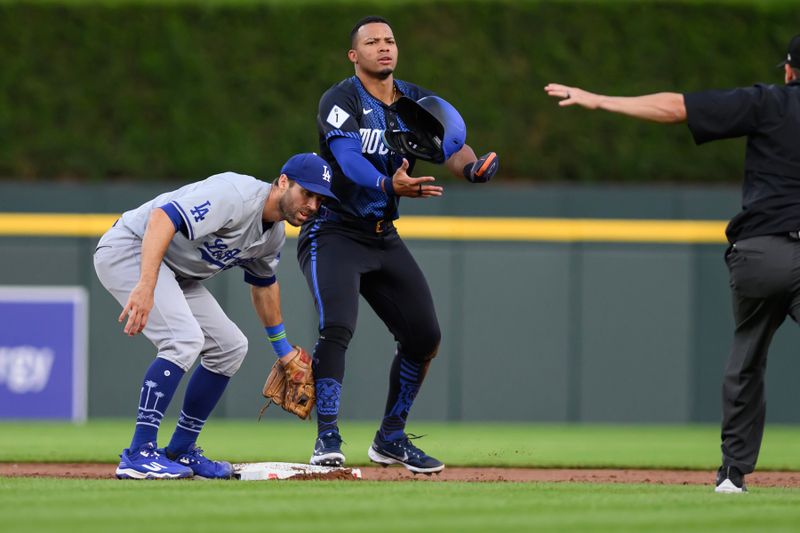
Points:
x=562, y=229
x=436, y=228
x=54, y=224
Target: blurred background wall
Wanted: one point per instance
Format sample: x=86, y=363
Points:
x=105, y=104
x=532, y=331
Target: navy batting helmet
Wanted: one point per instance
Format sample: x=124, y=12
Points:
x=435, y=129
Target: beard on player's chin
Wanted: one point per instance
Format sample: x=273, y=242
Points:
x=293, y=217
x=385, y=73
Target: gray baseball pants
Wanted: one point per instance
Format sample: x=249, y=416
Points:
x=185, y=322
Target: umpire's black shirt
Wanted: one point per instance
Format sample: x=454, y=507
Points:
x=769, y=115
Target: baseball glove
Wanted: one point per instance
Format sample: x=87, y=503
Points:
x=291, y=385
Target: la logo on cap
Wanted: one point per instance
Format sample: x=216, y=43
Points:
x=326, y=173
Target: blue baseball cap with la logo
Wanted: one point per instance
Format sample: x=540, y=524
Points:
x=311, y=172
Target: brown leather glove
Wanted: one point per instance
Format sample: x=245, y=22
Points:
x=291, y=385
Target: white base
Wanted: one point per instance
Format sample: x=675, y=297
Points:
x=265, y=471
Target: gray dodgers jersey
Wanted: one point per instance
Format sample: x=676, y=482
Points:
x=224, y=228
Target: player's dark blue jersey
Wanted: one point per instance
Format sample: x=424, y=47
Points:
x=348, y=110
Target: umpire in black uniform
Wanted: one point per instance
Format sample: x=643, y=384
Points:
x=764, y=253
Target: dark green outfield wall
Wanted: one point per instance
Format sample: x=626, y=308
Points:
x=174, y=89
x=533, y=331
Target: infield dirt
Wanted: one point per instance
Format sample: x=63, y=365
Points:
x=658, y=477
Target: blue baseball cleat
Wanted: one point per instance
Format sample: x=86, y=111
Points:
x=202, y=466
x=328, y=450
x=149, y=463
x=402, y=452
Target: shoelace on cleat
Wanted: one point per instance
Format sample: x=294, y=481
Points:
x=327, y=438
x=197, y=455
x=148, y=452
x=410, y=448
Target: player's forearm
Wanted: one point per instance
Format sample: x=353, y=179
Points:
x=460, y=159
x=356, y=167
x=267, y=304
x=658, y=107
x=159, y=233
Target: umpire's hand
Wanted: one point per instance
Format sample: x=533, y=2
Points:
x=573, y=96
x=405, y=185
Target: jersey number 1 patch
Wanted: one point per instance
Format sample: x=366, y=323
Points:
x=337, y=116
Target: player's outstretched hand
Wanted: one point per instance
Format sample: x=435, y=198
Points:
x=137, y=309
x=405, y=185
x=573, y=96
x=483, y=169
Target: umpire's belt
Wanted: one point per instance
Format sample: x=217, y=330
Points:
x=363, y=224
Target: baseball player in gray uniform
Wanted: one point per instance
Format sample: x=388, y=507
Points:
x=153, y=261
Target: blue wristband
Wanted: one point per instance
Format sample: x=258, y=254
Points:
x=277, y=336
x=388, y=186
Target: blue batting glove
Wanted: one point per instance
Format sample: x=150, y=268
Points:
x=483, y=169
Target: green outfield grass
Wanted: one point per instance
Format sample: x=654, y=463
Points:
x=544, y=445
x=33, y=505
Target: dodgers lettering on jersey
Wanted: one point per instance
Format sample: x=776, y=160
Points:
x=348, y=110
x=223, y=227
x=218, y=253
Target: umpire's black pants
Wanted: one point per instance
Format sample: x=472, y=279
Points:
x=765, y=285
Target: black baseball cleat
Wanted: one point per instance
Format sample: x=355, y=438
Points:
x=328, y=450
x=730, y=480
x=402, y=452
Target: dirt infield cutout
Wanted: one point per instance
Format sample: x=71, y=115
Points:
x=657, y=477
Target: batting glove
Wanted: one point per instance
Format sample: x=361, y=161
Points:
x=483, y=169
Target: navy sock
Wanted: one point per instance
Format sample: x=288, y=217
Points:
x=404, y=382
x=328, y=392
x=329, y=375
x=160, y=382
x=204, y=390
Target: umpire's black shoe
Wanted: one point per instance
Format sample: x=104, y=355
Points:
x=730, y=480
x=328, y=450
x=402, y=452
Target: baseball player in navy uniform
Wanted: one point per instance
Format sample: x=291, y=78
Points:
x=764, y=253
x=153, y=261
x=366, y=134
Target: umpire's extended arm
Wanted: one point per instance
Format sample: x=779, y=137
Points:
x=658, y=107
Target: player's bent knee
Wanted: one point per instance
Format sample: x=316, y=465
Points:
x=237, y=356
x=336, y=335
x=433, y=353
x=227, y=361
x=420, y=353
x=423, y=345
x=183, y=351
x=430, y=354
